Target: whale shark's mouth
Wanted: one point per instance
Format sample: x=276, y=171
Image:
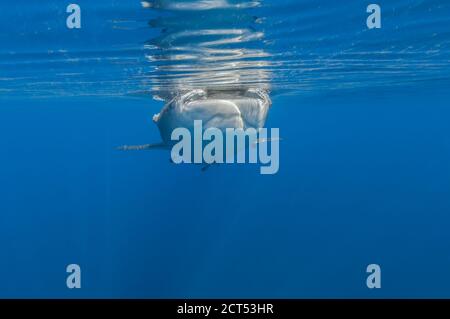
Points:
x=216, y=109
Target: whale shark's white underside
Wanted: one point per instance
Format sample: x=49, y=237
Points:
x=220, y=110
x=216, y=109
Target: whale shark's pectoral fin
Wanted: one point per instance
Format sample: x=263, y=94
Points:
x=154, y=146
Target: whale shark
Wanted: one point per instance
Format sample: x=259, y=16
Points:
x=219, y=109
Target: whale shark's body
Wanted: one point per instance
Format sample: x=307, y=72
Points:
x=210, y=67
x=216, y=109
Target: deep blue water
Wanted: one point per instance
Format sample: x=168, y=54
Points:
x=364, y=158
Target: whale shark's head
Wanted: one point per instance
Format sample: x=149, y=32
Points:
x=216, y=109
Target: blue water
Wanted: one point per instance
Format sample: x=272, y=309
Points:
x=364, y=158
